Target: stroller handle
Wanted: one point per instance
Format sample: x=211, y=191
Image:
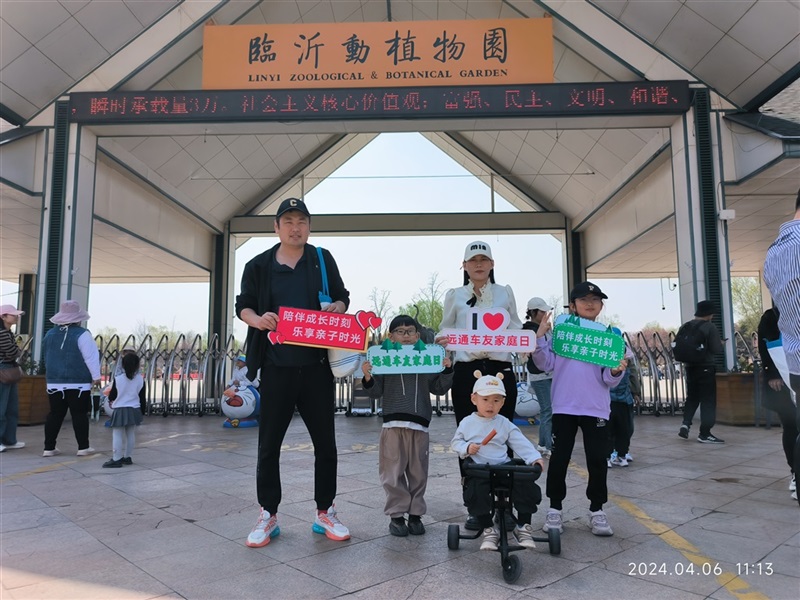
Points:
x=515, y=467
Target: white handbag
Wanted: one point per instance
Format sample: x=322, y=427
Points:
x=343, y=363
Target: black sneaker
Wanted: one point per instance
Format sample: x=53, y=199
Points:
x=398, y=527
x=415, y=526
x=127, y=460
x=112, y=464
x=709, y=439
x=683, y=432
x=472, y=524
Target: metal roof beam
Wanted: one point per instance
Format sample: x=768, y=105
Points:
x=412, y=224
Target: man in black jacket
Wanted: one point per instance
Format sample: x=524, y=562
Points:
x=701, y=379
x=289, y=274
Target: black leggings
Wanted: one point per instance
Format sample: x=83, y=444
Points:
x=595, y=444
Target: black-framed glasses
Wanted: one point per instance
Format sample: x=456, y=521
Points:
x=405, y=331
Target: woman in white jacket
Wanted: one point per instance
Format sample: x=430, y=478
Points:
x=479, y=291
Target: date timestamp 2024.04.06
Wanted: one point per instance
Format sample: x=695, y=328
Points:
x=648, y=569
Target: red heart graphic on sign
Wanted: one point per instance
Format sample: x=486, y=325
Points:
x=375, y=322
x=275, y=337
x=363, y=317
x=493, y=320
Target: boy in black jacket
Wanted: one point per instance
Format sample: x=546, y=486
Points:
x=403, y=453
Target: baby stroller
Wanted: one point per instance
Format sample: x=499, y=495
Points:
x=501, y=482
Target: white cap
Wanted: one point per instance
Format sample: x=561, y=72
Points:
x=477, y=248
x=489, y=384
x=537, y=303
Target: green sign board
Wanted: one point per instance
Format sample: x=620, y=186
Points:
x=587, y=341
x=391, y=358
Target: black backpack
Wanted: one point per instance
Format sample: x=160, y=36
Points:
x=689, y=345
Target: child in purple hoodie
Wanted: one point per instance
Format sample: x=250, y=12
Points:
x=580, y=397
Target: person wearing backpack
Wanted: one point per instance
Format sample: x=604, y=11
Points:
x=696, y=344
x=291, y=274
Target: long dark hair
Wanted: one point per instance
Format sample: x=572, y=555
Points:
x=130, y=364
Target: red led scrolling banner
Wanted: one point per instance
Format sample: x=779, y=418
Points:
x=561, y=99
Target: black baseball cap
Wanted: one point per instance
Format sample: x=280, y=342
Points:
x=292, y=204
x=586, y=288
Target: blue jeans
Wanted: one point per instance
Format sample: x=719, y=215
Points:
x=9, y=414
x=542, y=390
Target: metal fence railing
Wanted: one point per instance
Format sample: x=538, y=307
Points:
x=187, y=377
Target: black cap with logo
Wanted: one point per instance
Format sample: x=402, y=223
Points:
x=292, y=204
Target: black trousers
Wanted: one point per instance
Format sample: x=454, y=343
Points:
x=781, y=403
x=595, y=444
x=701, y=390
x=620, y=428
x=311, y=390
x=795, y=381
x=79, y=405
x=525, y=497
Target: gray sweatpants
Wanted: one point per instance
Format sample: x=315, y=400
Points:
x=403, y=469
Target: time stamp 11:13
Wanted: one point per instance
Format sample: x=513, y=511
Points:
x=646, y=569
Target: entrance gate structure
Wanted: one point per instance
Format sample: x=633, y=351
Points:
x=86, y=117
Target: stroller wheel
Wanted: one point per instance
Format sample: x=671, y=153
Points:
x=511, y=569
x=554, y=541
x=453, y=536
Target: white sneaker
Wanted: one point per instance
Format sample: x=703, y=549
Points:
x=16, y=446
x=53, y=452
x=329, y=524
x=86, y=451
x=598, y=521
x=619, y=462
x=2, y=448
x=524, y=535
x=609, y=463
x=794, y=495
x=628, y=457
x=553, y=521
x=792, y=483
x=266, y=528
x=491, y=537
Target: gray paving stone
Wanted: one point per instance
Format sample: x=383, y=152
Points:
x=173, y=525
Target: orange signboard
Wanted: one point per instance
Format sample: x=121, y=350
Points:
x=390, y=54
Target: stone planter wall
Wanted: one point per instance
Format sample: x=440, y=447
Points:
x=33, y=404
x=736, y=399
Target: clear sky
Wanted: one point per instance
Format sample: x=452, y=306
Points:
x=394, y=173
